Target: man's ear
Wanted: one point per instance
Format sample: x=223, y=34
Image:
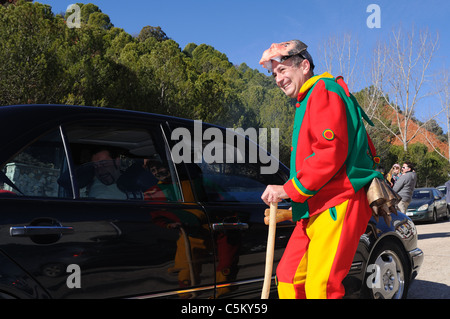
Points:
x=306, y=66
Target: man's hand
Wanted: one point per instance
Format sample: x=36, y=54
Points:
x=274, y=194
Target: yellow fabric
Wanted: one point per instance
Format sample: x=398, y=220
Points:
x=322, y=250
x=300, y=191
x=308, y=84
x=314, y=268
x=285, y=290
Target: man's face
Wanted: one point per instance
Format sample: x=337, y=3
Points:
x=405, y=168
x=161, y=173
x=290, y=78
x=105, y=168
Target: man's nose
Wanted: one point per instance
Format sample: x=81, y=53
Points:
x=279, y=79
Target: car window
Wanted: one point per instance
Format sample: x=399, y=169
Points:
x=223, y=172
x=36, y=170
x=235, y=182
x=437, y=193
x=422, y=194
x=116, y=162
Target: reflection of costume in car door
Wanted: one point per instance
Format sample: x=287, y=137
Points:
x=160, y=192
x=193, y=231
x=331, y=162
x=227, y=242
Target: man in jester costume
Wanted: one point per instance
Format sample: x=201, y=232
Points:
x=332, y=159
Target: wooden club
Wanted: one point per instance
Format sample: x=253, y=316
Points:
x=270, y=251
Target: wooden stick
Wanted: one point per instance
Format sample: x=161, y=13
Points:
x=270, y=251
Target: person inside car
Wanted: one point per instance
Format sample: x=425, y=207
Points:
x=164, y=189
x=106, y=174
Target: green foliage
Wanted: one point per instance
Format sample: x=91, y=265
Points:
x=154, y=32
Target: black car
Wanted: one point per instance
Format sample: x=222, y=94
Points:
x=427, y=204
x=185, y=218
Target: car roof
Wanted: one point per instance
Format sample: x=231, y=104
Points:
x=18, y=121
x=52, y=113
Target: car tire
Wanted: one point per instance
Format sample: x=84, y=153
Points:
x=387, y=273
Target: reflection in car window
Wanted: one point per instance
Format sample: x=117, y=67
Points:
x=118, y=163
x=36, y=170
x=236, y=180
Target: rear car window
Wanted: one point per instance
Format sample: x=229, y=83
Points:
x=35, y=170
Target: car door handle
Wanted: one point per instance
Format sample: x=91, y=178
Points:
x=24, y=231
x=229, y=226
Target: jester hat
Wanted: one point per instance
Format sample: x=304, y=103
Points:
x=280, y=52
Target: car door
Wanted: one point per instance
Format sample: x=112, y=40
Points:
x=229, y=183
x=440, y=202
x=143, y=240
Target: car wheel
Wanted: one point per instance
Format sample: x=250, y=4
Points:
x=388, y=273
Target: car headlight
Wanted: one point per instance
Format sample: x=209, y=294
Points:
x=423, y=207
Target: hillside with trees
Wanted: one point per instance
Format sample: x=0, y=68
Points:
x=99, y=64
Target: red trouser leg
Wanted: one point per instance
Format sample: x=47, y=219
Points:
x=321, y=250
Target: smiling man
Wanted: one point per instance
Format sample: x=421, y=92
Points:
x=332, y=160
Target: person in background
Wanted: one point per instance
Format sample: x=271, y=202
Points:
x=405, y=185
x=393, y=174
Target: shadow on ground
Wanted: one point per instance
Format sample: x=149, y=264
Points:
x=421, y=289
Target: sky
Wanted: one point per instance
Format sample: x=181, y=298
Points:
x=243, y=29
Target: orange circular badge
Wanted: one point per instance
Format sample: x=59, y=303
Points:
x=328, y=134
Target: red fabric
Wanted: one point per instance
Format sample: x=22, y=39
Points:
x=319, y=160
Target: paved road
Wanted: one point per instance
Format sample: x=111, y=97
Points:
x=433, y=281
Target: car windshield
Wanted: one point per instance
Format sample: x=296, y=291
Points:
x=422, y=194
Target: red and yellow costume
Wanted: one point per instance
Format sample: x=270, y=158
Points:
x=332, y=160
